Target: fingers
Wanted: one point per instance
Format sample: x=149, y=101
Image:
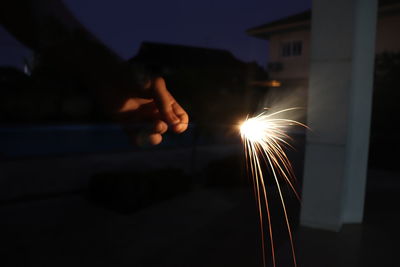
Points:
x=155, y=139
x=170, y=110
x=152, y=117
x=143, y=112
x=160, y=127
x=146, y=133
x=183, y=117
x=164, y=101
x=145, y=139
x=133, y=104
x=143, y=125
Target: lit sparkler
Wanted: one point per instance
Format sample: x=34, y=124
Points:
x=264, y=138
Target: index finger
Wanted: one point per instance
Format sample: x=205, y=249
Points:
x=182, y=115
x=164, y=101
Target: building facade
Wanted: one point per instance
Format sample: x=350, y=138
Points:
x=289, y=42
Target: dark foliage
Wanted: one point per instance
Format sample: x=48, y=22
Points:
x=385, y=113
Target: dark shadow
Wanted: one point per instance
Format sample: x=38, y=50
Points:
x=127, y=192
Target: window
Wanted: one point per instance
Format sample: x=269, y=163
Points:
x=296, y=48
x=293, y=48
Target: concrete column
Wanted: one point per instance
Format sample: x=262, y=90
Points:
x=339, y=112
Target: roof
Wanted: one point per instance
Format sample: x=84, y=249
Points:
x=302, y=21
x=296, y=21
x=180, y=55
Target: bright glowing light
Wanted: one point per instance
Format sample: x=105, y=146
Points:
x=265, y=138
x=254, y=129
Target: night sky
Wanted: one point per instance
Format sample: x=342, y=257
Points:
x=124, y=24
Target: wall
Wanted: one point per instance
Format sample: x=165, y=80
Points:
x=297, y=67
x=294, y=67
x=388, y=37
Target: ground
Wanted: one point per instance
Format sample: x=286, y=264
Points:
x=203, y=227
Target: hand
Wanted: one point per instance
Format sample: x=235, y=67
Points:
x=156, y=107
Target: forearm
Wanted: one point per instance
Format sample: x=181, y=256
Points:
x=64, y=45
x=49, y=28
x=38, y=23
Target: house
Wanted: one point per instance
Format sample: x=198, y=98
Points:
x=289, y=62
x=198, y=75
x=289, y=42
x=169, y=59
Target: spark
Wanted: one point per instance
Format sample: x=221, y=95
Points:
x=265, y=139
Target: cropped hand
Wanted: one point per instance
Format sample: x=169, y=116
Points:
x=147, y=115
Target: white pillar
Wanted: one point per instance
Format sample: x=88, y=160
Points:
x=339, y=112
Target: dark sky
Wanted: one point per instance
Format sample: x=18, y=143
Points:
x=124, y=24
